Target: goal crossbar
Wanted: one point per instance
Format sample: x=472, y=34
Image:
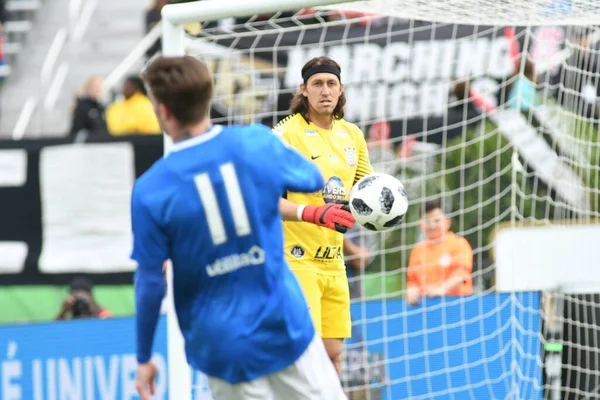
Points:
x=177, y=14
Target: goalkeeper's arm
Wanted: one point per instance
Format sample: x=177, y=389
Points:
x=333, y=216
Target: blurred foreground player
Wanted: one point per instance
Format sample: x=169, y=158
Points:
x=211, y=207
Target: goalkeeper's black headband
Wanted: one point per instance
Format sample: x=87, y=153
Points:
x=317, y=69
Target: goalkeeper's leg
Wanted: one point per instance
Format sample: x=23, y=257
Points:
x=336, y=322
x=329, y=301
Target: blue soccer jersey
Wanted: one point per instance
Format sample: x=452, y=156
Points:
x=211, y=206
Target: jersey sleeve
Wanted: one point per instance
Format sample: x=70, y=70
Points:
x=149, y=241
x=364, y=167
x=150, y=252
x=297, y=173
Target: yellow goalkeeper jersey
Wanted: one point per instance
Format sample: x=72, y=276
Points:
x=341, y=154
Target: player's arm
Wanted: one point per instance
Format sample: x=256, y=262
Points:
x=296, y=172
x=289, y=210
x=363, y=167
x=301, y=175
x=150, y=252
x=334, y=216
x=450, y=284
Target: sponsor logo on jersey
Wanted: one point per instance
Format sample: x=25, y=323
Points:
x=329, y=253
x=297, y=251
x=333, y=158
x=311, y=132
x=351, y=157
x=342, y=133
x=227, y=264
x=334, y=190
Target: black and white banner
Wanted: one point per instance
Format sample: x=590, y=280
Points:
x=65, y=208
x=402, y=72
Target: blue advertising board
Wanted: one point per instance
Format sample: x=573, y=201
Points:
x=481, y=347
x=477, y=347
x=84, y=359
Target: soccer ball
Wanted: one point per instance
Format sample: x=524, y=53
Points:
x=378, y=202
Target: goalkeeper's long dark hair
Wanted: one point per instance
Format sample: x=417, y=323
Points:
x=299, y=103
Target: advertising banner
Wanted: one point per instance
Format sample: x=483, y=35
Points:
x=399, y=71
x=65, y=208
x=482, y=347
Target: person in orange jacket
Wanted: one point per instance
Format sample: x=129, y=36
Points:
x=440, y=265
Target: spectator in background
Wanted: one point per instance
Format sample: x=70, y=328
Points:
x=152, y=18
x=442, y=263
x=469, y=103
x=522, y=93
x=80, y=302
x=134, y=114
x=89, y=118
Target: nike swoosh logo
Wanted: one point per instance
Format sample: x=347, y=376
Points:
x=315, y=157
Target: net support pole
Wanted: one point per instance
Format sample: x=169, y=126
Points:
x=173, y=44
x=179, y=374
x=172, y=38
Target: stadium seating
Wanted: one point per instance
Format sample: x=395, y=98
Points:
x=72, y=40
x=21, y=14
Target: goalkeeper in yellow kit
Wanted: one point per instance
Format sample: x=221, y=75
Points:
x=315, y=223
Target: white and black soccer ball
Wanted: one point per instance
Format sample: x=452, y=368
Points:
x=378, y=202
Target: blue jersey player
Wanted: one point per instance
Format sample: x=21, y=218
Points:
x=211, y=207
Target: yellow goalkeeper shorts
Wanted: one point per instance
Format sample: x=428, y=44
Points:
x=329, y=300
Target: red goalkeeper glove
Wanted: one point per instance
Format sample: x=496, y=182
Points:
x=333, y=216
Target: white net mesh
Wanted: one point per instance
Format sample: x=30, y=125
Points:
x=487, y=12
x=499, y=122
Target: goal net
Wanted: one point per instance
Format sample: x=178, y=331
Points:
x=489, y=106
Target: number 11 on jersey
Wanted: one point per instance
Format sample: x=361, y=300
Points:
x=235, y=198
